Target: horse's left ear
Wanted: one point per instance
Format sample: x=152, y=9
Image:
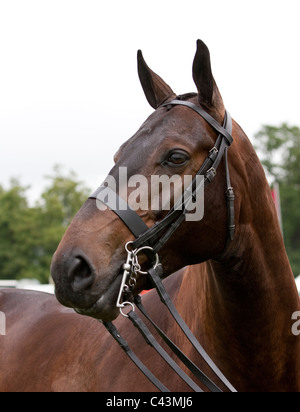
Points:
x=156, y=90
x=208, y=92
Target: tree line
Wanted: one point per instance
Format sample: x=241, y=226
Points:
x=279, y=149
x=29, y=234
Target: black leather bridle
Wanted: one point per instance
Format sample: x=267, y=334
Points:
x=151, y=240
x=160, y=233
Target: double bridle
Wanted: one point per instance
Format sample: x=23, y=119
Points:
x=151, y=240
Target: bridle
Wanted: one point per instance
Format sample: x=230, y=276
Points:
x=151, y=240
x=161, y=232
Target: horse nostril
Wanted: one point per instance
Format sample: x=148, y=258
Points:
x=81, y=274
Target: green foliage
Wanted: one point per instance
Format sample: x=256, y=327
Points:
x=29, y=235
x=280, y=148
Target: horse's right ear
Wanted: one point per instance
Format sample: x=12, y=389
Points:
x=156, y=90
x=202, y=74
x=208, y=92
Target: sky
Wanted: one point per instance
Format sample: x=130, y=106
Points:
x=69, y=89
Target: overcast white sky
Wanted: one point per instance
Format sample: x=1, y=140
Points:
x=69, y=90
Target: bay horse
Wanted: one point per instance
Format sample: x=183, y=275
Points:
x=237, y=295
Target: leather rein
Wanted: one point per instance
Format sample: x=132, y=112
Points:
x=150, y=241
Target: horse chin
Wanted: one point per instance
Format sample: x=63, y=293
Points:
x=105, y=308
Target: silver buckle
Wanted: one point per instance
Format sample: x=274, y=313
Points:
x=215, y=150
x=211, y=174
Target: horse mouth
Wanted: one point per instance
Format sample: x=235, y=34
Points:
x=104, y=309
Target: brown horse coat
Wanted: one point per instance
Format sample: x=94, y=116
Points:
x=48, y=347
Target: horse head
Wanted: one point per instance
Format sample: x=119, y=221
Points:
x=88, y=263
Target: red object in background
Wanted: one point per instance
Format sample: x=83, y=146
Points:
x=273, y=195
x=145, y=292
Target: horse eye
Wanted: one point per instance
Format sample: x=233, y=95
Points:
x=177, y=159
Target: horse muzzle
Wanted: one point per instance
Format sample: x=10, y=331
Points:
x=79, y=286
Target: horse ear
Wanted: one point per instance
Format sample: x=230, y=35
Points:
x=156, y=90
x=208, y=93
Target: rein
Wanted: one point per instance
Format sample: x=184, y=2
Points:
x=150, y=241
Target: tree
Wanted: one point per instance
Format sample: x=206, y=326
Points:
x=59, y=203
x=280, y=153
x=14, y=223
x=29, y=235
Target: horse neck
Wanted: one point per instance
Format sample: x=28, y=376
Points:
x=245, y=301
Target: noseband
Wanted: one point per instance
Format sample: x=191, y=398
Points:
x=150, y=241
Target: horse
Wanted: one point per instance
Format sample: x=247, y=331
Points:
x=234, y=288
